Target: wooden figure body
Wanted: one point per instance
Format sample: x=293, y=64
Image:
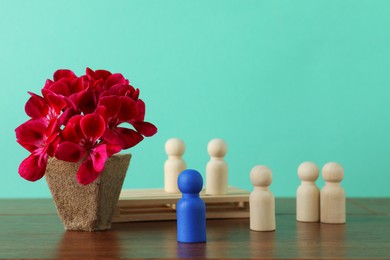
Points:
x=333, y=195
x=261, y=200
x=216, y=168
x=308, y=194
x=191, y=209
x=174, y=165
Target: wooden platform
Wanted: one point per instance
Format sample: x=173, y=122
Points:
x=156, y=204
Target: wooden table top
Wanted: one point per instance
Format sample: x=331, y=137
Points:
x=30, y=228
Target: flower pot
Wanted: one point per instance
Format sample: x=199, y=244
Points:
x=89, y=207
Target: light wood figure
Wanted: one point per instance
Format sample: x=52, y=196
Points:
x=308, y=194
x=332, y=194
x=216, y=168
x=174, y=165
x=261, y=200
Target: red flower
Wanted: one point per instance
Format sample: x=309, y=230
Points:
x=103, y=79
x=81, y=119
x=115, y=111
x=65, y=83
x=81, y=142
x=51, y=106
x=136, y=119
x=120, y=109
x=40, y=138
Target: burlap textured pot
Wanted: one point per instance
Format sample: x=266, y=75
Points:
x=89, y=207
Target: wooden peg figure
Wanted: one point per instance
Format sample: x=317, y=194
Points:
x=261, y=200
x=174, y=165
x=308, y=194
x=216, y=168
x=332, y=194
x=191, y=209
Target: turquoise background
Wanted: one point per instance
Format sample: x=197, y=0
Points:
x=281, y=81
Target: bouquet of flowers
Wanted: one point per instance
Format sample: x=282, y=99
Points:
x=84, y=119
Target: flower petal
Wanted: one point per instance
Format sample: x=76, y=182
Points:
x=85, y=100
x=114, y=79
x=86, y=174
x=66, y=115
x=52, y=144
x=36, y=106
x=145, y=128
x=48, y=83
x=113, y=149
x=63, y=73
x=111, y=137
x=102, y=111
x=31, y=133
x=72, y=131
x=121, y=90
x=54, y=101
x=127, y=109
x=141, y=110
x=78, y=84
x=135, y=94
x=129, y=137
x=99, y=157
x=114, y=143
x=112, y=105
x=33, y=167
x=69, y=152
x=98, y=74
x=102, y=74
x=92, y=126
x=60, y=87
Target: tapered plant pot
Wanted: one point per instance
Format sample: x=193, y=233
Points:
x=89, y=207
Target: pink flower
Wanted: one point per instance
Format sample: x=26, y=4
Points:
x=81, y=142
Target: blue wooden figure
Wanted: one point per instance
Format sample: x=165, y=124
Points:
x=190, y=210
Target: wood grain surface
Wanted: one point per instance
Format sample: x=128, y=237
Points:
x=31, y=229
